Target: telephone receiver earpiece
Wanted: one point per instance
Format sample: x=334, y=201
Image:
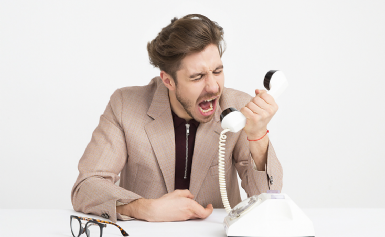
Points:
x=275, y=82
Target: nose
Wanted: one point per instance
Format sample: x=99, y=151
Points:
x=211, y=84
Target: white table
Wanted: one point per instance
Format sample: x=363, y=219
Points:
x=328, y=222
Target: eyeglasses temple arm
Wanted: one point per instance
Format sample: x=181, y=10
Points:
x=124, y=233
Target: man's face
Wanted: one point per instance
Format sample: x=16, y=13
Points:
x=200, y=83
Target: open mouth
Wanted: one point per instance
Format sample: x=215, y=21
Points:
x=207, y=106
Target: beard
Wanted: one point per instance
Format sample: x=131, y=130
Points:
x=188, y=105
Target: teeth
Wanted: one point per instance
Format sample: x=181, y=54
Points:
x=209, y=100
x=207, y=110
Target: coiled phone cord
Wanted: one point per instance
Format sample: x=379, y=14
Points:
x=221, y=169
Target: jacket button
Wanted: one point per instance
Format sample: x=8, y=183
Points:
x=105, y=215
x=271, y=180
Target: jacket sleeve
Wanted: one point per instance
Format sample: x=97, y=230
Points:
x=255, y=182
x=95, y=191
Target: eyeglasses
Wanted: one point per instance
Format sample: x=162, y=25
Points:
x=93, y=227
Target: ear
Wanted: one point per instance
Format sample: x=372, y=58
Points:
x=168, y=81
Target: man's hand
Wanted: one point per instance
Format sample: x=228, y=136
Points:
x=259, y=112
x=176, y=206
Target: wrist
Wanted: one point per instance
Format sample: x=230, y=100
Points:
x=135, y=209
x=257, y=136
x=260, y=165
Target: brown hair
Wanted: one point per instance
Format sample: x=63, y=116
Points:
x=190, y=34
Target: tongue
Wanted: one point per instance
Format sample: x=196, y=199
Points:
x=205, y=105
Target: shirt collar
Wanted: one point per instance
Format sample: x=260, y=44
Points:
x=179, y=121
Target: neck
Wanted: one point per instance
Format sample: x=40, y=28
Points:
x=177, y=107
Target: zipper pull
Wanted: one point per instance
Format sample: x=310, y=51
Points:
x=187, y=129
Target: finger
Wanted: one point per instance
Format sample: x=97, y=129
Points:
x=203, y=215
x=268, y=98
x=265, y=96
x=269, y=108
x=200, y=211
x=262, y=103
x=255, y=108
x=259, y=91
x=247, y=112
x=209, y=209
x=184, y=193
x=190, y=196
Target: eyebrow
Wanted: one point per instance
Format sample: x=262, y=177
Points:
x=200, y=73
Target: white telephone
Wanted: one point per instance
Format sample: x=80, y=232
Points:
x=268, y=214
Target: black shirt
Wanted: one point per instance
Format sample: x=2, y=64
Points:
x=183, y=171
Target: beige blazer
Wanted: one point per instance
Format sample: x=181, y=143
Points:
x=135, y=137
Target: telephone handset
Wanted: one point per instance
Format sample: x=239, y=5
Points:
x=275, y=82
x=267, y=214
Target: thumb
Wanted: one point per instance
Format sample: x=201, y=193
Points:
x=259, y=91
x=209, y=207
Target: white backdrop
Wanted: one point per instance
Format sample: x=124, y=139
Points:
x=61, y=60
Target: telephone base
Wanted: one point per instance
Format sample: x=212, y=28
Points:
x=268, y=214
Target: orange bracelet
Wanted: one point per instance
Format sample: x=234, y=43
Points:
x=258, y=138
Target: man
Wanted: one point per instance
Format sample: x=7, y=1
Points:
x=163, y=138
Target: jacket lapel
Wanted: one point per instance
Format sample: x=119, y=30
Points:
x=160, y=132
x=205, y=150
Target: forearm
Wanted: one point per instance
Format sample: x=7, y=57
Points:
x=258, y=151
x=137, y=209
x=98, y=196
x=268, y=175
x=176, y=206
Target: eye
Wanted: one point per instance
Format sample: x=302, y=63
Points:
x=198, y=78
x=217, y=72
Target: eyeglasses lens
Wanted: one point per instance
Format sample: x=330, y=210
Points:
x=93, y=230
x=75, y=227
